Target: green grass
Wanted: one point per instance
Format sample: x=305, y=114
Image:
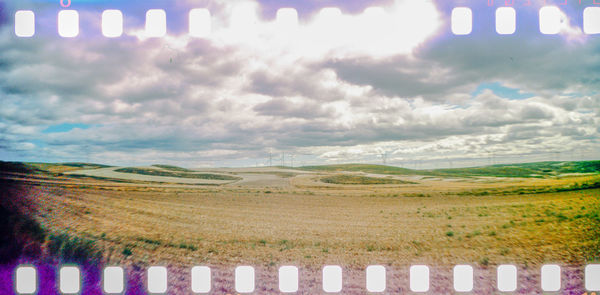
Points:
x=149, y=241
x=416, y=195
x=537, y=169
x=127, y=251
x=592, y=184
x=187, y=246
x=357, y=179
x=85, y=165
x=282, y=174
x=172, y=168
x=484, y=261
x=70, y=249
x=158, y=172
x=367, y=168
x=181, y=245
x=285, y=245
x=79, y=176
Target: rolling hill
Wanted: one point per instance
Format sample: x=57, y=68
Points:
x=537, y=169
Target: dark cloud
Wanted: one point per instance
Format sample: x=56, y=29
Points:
x=286, y=108
x=399, y=76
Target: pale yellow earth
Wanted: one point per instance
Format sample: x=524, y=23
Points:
x=273, y=217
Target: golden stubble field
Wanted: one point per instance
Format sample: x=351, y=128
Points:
x=308, y=223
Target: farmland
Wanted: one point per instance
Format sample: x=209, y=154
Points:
x=351, y=215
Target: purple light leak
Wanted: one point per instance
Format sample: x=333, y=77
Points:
x=47, y=273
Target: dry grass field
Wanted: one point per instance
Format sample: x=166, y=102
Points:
x=295, y=218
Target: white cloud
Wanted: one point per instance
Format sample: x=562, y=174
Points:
x=350, y=97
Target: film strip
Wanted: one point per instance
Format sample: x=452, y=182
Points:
x=113, y=279
x=551, y=19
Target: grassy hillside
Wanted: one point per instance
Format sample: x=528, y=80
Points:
x=158, y=172
x=85, y=165
x=172, y=168
x=357, y=179
x=52, y=168
x=538, y=169
x=17, y=167
x=367, y=168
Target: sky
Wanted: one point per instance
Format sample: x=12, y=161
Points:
x=384, y=79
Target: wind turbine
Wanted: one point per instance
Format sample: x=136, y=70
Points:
x=270, y=158
x=384, y=157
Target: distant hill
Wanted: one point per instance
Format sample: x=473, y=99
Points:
x=167, y=173
x=367, y=168
x=17, y=167
x=172, y=168
x=85, y=165
x=537, y=169
x=25, y=167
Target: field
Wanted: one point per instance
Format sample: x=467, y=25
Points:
x=363, y=180
x=169, y=173
x=353, y=215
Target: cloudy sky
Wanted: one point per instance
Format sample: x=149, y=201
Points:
x=392, y=80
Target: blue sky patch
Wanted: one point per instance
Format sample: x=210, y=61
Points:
x=39, y=143
x=502, y=91
x=65, y=127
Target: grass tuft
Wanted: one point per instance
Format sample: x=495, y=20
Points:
x=73, y=249
x=484, y=261
x=127, y=251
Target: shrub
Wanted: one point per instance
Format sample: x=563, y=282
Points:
x=561, y=217
x=73, y=249
x=187, y=246
x=127, y=251
x=149, y=241
x=484, y=261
